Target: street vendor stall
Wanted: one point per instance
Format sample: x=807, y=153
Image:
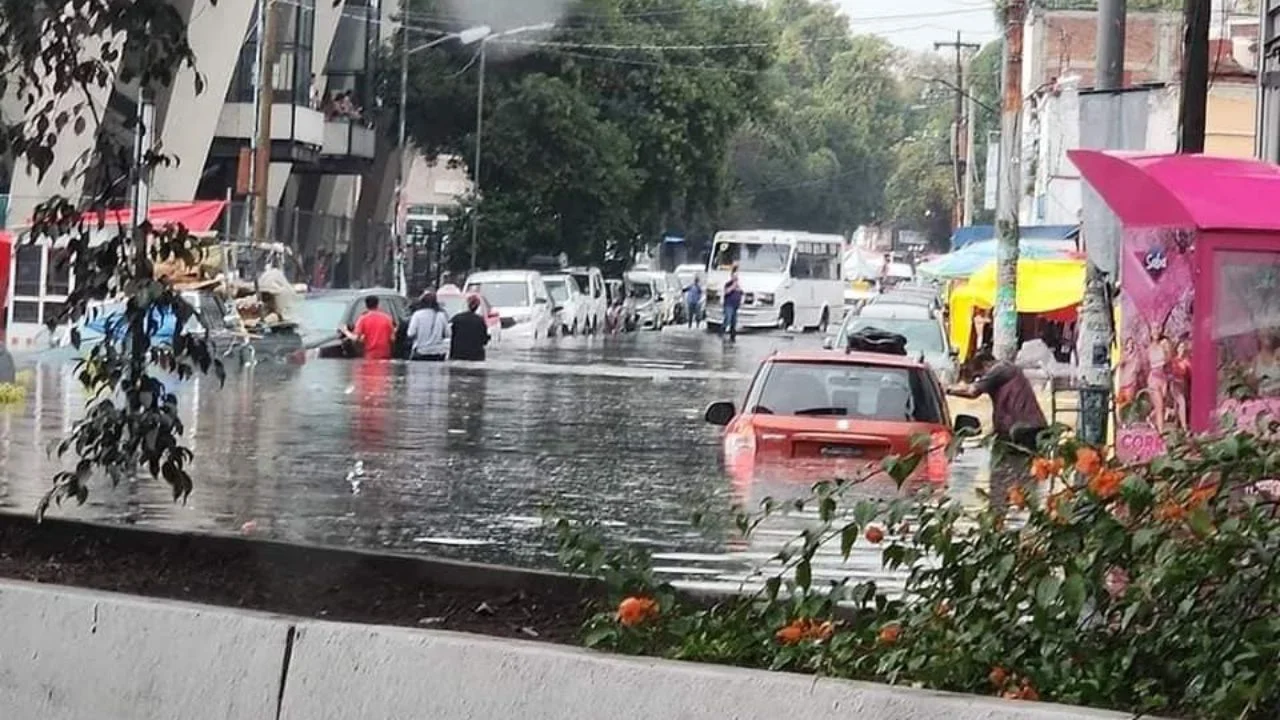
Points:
x=1200, y=291
x=1047, y=287
x=38, y=284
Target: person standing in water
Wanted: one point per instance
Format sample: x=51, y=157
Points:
x=693, y=301
x=1016, y=415
x=429, y=330
x=375, y=331
x=469, y=333
x=732, y=301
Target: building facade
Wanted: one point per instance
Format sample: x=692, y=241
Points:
x=1063, y=112
x=332, y=173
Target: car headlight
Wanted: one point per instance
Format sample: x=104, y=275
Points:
x=764, y=298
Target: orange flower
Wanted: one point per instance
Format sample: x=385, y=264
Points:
x=1029, y=691
x=889, y=634
x=634, y=610
x=1017, y=497
x=1045, y=468
x=1202, y=494
x=1088, y=461
x=874, y=535
x=805, y=629
x=1170, y=511
x=791, y=634
x=998, y=676
x=1106, y=483
x=1124, y=397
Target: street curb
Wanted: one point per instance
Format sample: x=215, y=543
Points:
x=71, y=654
x=436, y=571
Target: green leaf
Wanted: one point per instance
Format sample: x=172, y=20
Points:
x=848, y=536
x=804, y=575
x=1047, y=591
x=1200, y=522
x=1073, y=593
x=827, y=509
x=771, y=588
x=598, y=635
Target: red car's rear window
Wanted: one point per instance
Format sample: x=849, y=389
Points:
x=865, y=392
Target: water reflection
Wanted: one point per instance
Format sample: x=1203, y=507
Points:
x=455, y=460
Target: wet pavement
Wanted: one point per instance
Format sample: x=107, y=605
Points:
x=459, y=461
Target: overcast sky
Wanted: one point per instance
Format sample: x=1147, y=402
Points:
x=917, y=24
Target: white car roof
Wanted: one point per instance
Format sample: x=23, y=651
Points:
x=890, y=311
x=503, y=276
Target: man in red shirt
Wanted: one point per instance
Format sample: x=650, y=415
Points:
x=375, y=331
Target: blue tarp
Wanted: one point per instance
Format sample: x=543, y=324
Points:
x=968, y=235
x=164, y=325
x=972, y=257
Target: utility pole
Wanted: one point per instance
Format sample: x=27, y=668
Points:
x=475, y=182
x=970, y=159
x=1267, y=128
x=143, y=142
x=1094, y=342
x=259, y=177
x=402, y=175
x=1005, y=313
x=959, y=132
x=1195, y=77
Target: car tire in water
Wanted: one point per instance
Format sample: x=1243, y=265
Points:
x=787, y=317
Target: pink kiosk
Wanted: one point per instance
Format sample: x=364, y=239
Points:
x=1199, y=317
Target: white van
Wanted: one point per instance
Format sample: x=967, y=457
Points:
x=789, y=279
x=594, y=294
x=521, y=299
x=572, y=308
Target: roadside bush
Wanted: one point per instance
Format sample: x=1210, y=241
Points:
x=1150, y=588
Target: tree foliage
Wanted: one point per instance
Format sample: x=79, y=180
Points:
x=62, y=57
x=772, y=114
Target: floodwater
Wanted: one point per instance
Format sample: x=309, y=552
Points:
x=460, y=461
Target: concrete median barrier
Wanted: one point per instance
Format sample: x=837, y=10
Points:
x=341, y=671
x=68, y=654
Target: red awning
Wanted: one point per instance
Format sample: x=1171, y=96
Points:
x=197, y=217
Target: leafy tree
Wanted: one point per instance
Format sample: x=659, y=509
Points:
x=60, y=57
x=669, y=113
x=820, y=160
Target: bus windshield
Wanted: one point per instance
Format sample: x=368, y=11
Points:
x=752, y=257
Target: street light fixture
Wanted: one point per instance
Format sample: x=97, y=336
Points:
x=475, y=169
x=468, y=36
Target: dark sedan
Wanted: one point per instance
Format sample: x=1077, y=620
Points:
x=322, y=312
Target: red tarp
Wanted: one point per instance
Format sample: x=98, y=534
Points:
x=197, y=217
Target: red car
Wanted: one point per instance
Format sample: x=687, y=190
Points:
x=818, y=415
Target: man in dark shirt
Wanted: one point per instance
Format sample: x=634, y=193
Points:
x=1015, y=415
x=469, y=333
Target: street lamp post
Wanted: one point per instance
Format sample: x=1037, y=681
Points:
x=466, y=37
x=475, y=169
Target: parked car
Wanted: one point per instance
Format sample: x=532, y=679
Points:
x=645, y=290
x=571, y=307
x=454, y=301
x=628, y=320
x=673, y=299
x=688, y=273
x=926, y=336
x=887, y=310
x=321, y=313
x=595, y=295
x=520, y=297
x=809, y=414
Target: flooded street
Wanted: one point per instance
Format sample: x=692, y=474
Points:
x=456, y=461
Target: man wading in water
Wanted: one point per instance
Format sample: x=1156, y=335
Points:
x=1017, y=418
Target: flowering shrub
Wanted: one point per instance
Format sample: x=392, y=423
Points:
x=1150, y=588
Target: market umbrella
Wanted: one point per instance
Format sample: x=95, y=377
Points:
x=972, y=257
x=1044, y=286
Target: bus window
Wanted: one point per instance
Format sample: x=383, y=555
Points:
x=752, y=257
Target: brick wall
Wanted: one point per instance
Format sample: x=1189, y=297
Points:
x=1064, y=42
